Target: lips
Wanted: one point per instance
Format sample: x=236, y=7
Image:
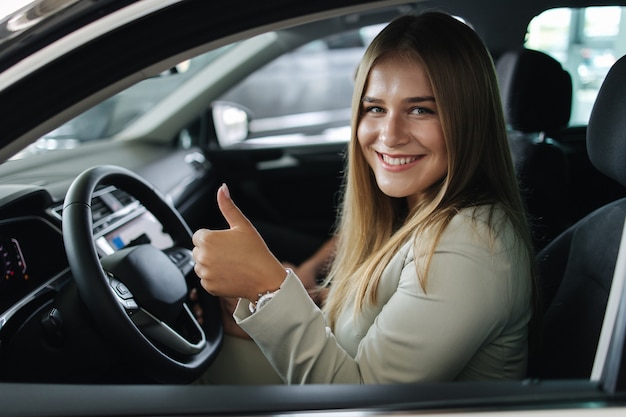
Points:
x=398, y=160
x=395, y=162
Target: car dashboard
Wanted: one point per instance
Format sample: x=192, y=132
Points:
x=34, y=267
x=33, y=260
x=119, y=221
x=46, y=334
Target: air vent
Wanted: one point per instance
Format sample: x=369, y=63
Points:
x=123, y=197
x=100, y=209
x=108, y=203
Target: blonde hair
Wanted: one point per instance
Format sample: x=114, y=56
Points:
x=372, y=226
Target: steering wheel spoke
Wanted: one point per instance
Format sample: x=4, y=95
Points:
x=160, y=332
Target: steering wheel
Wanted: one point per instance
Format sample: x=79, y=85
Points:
x=137, y=294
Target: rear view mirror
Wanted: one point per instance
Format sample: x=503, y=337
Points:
x=231, y=123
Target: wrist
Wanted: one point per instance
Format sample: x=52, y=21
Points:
x=265, y=296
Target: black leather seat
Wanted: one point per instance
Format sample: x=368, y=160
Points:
x=576, y=268
x=537, y=98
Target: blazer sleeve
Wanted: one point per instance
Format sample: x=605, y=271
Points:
x=417, y=336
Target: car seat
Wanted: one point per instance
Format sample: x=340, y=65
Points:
x=575, y=270
x=537, y=98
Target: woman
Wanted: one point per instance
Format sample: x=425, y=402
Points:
x=432, y=277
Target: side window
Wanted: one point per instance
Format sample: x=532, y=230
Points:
x=307, y=91
x=587, y=42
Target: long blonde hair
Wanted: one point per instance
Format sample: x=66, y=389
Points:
x=372, y=226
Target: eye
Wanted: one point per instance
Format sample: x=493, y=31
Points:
x=373, y=109
x=422, y=110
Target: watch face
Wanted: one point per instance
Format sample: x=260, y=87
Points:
x=264, y=300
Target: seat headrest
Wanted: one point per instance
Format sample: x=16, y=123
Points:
x=536, y=91
x=606, y=133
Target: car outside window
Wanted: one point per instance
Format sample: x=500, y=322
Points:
x=116, y=113
x=302, y=93
x=587, y=41
x=307, y=91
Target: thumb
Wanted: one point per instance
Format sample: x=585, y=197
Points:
x=229, y=210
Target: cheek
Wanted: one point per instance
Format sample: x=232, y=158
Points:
x=443, y=157
x=365, y=134
x=436, y=141
x=363, y=144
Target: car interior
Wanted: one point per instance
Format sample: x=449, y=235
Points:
x=537, y=98
x=127, y=181
x=576, y=275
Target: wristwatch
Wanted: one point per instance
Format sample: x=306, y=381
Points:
x=264, y=298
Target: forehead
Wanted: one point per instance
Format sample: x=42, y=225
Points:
x=398, y=73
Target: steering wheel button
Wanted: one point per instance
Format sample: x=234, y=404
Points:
x=177, y=257
x=122, y=291
x=121, y=288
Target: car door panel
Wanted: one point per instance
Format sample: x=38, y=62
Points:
x=293, y=189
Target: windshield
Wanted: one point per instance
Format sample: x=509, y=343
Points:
x=114, y=114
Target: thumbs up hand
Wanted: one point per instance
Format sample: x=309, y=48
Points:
x=235, y=262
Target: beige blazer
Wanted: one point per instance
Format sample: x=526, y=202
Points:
x=470, y=324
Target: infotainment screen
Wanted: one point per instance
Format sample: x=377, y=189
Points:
x=142, y=229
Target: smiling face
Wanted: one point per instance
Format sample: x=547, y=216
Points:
x=399, y=131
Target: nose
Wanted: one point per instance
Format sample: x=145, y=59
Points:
x=393, y=131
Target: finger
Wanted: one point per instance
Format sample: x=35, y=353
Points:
x=201, y=236
x=199, y=259
x=230, y=211
x=202, y=272
x=199, y=314
x=207, y=287
x=193, y=294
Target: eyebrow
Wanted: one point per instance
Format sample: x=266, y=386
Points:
x=367, y=99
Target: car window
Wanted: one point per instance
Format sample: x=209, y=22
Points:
x=119, y=111
x=303, y=92
x=587, y=41
x=307, y=91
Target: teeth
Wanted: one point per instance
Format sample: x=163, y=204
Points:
x=398, y=161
